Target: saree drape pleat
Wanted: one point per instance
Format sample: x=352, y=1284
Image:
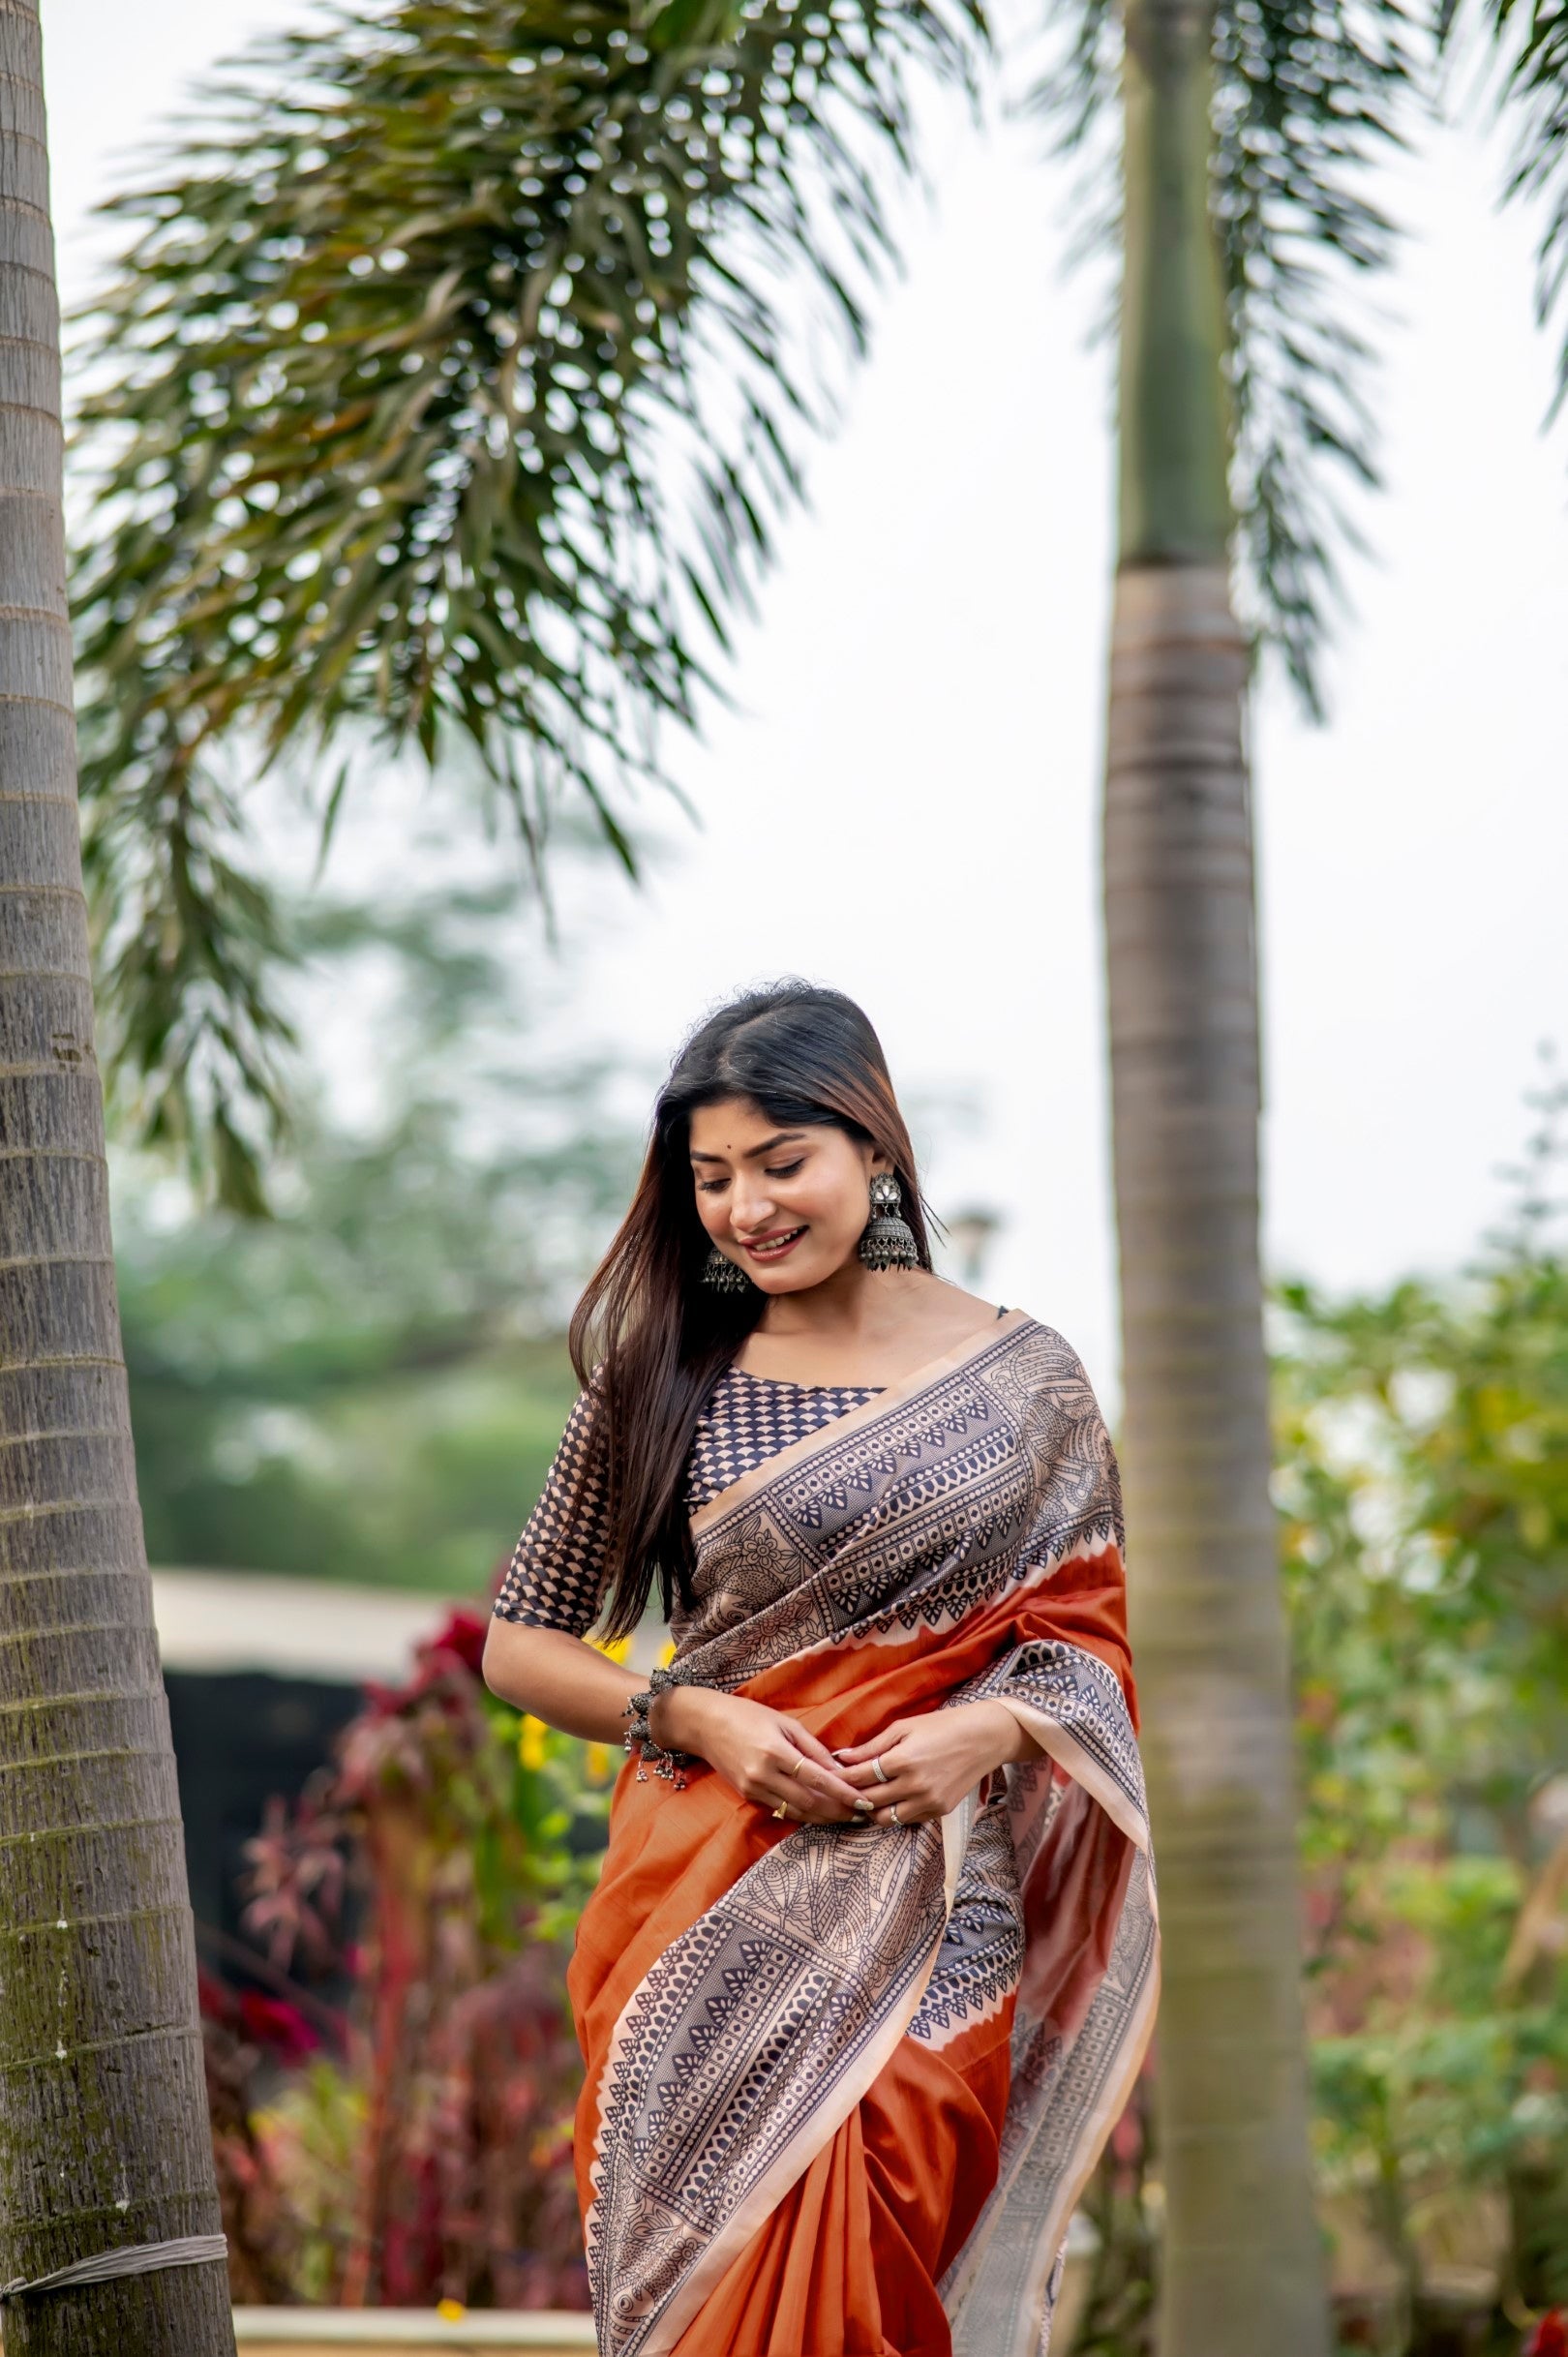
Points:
x=845, y=2083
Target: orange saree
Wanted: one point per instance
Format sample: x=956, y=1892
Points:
x=844, y=2083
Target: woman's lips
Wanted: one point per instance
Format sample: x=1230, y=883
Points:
x=774, y=1248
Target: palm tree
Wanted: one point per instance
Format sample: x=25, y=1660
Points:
x=104, y=2135
x=1242, y=2268
x=401, y=364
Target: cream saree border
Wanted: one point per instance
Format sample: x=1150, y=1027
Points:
x=854, y=1420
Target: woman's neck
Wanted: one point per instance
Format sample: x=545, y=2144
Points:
x=873, y=1331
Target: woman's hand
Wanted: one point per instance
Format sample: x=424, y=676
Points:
x=933, y=1760
x=766, y=1757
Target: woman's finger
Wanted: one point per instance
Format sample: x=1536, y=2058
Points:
x=853, y=1753
x=830, y=1794
x=873, y=1774
x=915, y=1803
x=823, y=1786
x=811, y=1745
x=906, y=1792
x=794, y=1764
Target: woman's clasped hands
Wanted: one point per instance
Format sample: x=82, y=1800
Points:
x=921, y=1768
x=917, y=1768
x=768, y=1756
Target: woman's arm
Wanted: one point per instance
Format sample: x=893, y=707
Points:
x=559, y=1678
x=537, y=1656
x=766, y=1755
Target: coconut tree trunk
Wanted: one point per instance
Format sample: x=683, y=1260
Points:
x=103, y=2136
x=1240, y=2271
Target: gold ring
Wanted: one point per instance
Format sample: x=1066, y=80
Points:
x=796, y=1770
x=893, y=1814
x=878, y=1772
x=782, y=1810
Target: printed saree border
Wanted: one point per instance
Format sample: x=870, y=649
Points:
x=685, y=2305
x=1029, y=2248
x=1084, y=1769
x=855, y=1419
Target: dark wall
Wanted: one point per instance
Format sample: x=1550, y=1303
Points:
x=240, y=1737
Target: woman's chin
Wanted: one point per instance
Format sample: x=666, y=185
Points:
x=793, y=1275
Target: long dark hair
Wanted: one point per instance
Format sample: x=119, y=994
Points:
x=647, y=1336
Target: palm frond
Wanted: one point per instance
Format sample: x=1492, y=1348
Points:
x=1532, y=37
x=1308, y=95
x=451, y=376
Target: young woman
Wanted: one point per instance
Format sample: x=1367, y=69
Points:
x=872, y=1960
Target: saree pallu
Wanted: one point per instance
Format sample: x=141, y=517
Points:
x=845, y=2083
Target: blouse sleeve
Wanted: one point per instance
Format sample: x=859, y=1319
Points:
x=557, y=1578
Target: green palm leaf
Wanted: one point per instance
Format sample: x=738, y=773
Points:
x=1307, y=96
x=1532, y=37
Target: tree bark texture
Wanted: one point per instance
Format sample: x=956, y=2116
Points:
x=1241, y=2270
x=104, y=2133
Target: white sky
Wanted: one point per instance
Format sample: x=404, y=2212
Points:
x=904, y=802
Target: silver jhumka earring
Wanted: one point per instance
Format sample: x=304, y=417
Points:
x=722, y=1276
x=887, y=1241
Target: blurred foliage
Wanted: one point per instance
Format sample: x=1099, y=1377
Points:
x=450, y=373
x=1422, y=1454
x=440, y=1862
x=1423, y=1489
x=368, y=1386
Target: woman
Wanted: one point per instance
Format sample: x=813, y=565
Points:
x=872, y=1960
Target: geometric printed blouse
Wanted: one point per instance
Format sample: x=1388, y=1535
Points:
x=556, y=1580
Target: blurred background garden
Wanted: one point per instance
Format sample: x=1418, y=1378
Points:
x=364, y=1160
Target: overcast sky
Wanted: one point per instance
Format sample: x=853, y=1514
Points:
x=903, y=800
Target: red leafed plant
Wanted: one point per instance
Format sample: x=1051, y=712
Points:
x=262, y=2237
x=445, y=1839
x=1550, y=2338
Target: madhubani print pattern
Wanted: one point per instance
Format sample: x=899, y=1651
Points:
x=749, y=1418
x=1079, y=1694
x=918, y=1514
x=1005, y=2310
x=982, y=1953
x=750, y=2027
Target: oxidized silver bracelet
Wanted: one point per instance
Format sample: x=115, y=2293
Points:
x=672, y=1766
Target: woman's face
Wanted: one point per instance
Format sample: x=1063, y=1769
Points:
x=786, y=1205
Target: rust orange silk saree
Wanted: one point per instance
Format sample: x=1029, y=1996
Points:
x=845, y=2083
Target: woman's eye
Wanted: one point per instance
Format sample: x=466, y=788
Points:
x=785, y=1170
x=710, y=1186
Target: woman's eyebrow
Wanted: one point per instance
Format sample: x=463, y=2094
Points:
x=781, y=1137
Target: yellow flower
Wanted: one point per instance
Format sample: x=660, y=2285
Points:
x=597, y=1763
x=530, y=1743
x=615, y=1648
x=453, y=2311
x=668, y=1654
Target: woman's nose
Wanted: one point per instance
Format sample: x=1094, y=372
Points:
x=750, y=1210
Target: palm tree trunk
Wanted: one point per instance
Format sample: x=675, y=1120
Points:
x=104, y=2135
x=1241, y=2272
